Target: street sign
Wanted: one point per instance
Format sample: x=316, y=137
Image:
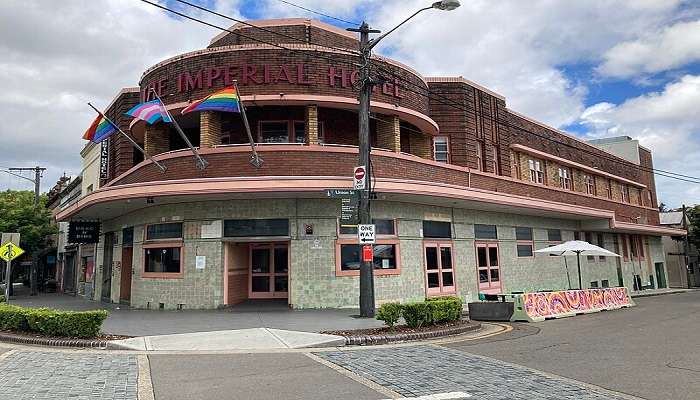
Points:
x=359, y=178
x=83, y=232
x=365, y=234
x=367, y=253
x=349, y=211
x=340, y=193
x=10, y=237
x=9, y=251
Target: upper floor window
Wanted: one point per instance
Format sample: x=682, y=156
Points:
x=480, y=156
x=494, y=162
x=564, y=178
x=437, y=229
x=554, y=235
x=590, y=184
x=300, y=132
x=524, y=244
x=609, y=189
x=383, y=227
x=624, y=193
x=536, y=171
x=441, y=149
x=274, y=132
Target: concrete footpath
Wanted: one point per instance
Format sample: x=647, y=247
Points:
x=238, y=339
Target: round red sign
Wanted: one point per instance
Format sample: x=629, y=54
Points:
x=359, y=173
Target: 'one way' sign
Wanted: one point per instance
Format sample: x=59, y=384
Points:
x=365, y=234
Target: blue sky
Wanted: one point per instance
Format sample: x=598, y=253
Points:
x=594, y=68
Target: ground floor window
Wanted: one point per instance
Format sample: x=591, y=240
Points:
x=488, y=267
x=439, y=268
x=385, y=257
x=162, y=261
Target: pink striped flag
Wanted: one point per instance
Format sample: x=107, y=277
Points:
x=150, y=111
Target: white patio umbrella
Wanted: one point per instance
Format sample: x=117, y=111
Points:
x=577, y=247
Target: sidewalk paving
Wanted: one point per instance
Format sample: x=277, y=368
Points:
x=659, y=292
x=240, y=339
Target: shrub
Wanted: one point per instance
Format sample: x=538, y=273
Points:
x=389, y=313
x=49, y=322
x=416, y=314
x=445, y=309
x=2, y=298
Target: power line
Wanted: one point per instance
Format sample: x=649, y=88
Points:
x=319, y=13
x=428, y=93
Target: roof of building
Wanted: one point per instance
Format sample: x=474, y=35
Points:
x=671, y=218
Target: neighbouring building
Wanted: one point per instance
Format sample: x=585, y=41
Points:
x=682, y=272
x=466, y=188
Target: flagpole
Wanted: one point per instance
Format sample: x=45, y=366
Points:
x=254, y=159
x=160, y=166
x=201, y=162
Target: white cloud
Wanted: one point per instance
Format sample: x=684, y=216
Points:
x=665, y=122
x=59, y=55
x=670, y=48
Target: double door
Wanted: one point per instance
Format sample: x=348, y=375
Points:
x=488, y=267
x=269, y=271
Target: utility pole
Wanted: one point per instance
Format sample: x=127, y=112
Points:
x=366, y=267
x=366, y=84
x=686, y=247
x=38, y=171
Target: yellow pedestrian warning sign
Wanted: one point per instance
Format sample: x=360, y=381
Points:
x=9, y=251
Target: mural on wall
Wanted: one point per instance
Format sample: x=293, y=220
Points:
x=540, y=305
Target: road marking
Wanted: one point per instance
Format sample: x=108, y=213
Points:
x=374, y=386
x=7, y=354
x=440, y=396
x=144, y=385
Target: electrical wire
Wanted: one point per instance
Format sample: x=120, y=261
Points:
x=319, y=13
x=440, y=98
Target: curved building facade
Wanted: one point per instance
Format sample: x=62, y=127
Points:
x=466, y=189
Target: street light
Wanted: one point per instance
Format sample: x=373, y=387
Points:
x=366, y=46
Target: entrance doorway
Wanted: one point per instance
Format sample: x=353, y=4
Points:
x=488, y=267
x=127, y=261
x=107, y=267
x=269, y=271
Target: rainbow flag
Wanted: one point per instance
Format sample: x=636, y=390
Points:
x=99, y=130
x=150, y=111
x=225, y=100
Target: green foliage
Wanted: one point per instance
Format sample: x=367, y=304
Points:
x=445, y=309
x=2, y=298
x=389, y=313
x=416, y=314
x=82, y=324
x=694, y=226
x=19, y=214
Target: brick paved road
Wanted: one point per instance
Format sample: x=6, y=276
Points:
x=43, y=376
x=424, y=370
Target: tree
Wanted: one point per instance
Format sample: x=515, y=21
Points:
x=18, y=214
x=694, y=225
x=663, y=207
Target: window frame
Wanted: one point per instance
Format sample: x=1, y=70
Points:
x=488, y=287
x=524, y=242
x=600, y=238
x=377, y=271
x=482, y=238
x=495, y=153
x=624, y=193
x=549, y=237
x=590, y=184
x=163, y=275
x=565, y=178
x=536, y=172
x=447, y=151
x=321, y=132
x=378, y=235
x=290, y=135
x=480, y=165
x=441, y=289
x=625, y=249
x=182, y=232
x=588, y=237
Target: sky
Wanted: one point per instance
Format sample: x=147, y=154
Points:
x=594, y=68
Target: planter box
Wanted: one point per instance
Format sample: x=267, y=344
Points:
x=491, y=311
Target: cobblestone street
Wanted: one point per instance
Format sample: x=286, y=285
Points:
x=34, y=375
x=426, y=370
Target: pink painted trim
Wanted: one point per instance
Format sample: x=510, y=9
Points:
x=163, y=275
x=488, y=288
x=591, y=170
x=377, y=272
x=460, y=79
x=642, y=228
x=271, y=274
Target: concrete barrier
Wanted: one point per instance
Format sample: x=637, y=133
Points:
x=538, y=306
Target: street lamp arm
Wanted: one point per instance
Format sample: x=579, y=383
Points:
x=376, y=40
x=18, y=175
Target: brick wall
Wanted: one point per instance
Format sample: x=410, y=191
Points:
x=121, y=156
x=300, y=33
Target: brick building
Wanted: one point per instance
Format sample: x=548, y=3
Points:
x=467, y=188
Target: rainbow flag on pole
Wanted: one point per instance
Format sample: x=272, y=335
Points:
x=99, y=130
x=225, y=100
x=150, y=111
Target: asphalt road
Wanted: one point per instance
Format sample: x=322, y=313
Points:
x=651, y=351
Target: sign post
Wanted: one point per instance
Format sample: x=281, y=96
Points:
x=9, y=252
